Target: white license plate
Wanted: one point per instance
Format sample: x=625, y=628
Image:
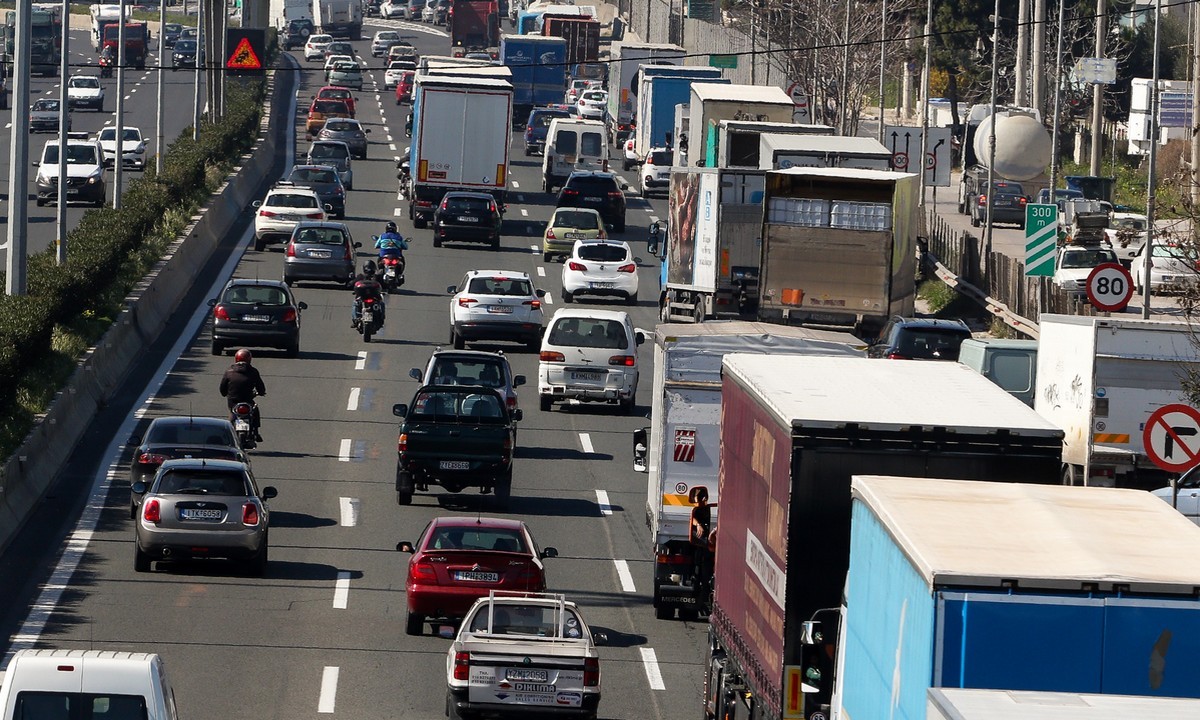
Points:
x=290, y=218
x=256, y=318
x=368, y=316
x=191, y=514
x=474, y=576
x=603, y=285
x=588, y=376
x=526, y=675
x=574, y=236
x=592, y=199
x=320, y=254
x=467, y=218
x=454, y=465
x=242, y=425
x=502, y=309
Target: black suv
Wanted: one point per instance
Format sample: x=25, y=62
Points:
x=920, y=339
x=599, y=191
x=468, y=216
x=297, y=33
x=170, y=33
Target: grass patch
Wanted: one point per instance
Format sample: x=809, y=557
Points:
x=937, y=294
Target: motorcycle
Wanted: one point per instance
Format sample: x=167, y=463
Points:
x=391, y=261
x=106, y=67
x=243, y=424
x=370, y=319
x=402, y=174
x=653, y=242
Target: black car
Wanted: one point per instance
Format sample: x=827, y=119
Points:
x=257, y=313
x=170, y=438
x=184, y=53
x=1008, y=205
x=296, y=33
x=170, y=33
x=467, y=216
x=599, y=191
x=920, y=339
x=325, y=181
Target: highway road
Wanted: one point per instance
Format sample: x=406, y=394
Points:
x=323, y=634
x=141, y=108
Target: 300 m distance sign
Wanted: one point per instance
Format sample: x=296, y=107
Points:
x=1110, y=287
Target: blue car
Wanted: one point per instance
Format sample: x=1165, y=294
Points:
x=538, y=126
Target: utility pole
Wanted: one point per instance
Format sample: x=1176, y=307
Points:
x=1058, y=56
x=60, y=214
x=991, y=173
x=925, y=96
x=1151, y=194
x=1021, y=87
x=159, y=129
x=200, y=35
x=118, y=164
x=882, y=63
x=844, y=95
x=18, y=169
x=1098, y=93
x=1039, y=55
x=1195, y=167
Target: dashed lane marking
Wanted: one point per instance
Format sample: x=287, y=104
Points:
x=341, y=590
x=349, y=511
x=361, y=364
x=328, y=696
x=541, y=271
x=352, y=403
x=602, y=501
x=650, y=663
x=524, y=212
x=344, y=451
x=625, y=576
x=586, y=441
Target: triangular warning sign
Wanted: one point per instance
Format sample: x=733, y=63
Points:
x=243, y=57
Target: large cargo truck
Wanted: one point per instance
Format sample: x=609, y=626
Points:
x=474, y=25
x=739, y=141
x=137, y=41
x=1013, y=587
x=581, y=33
x=660, y=89
x=710, y=103
x=1099, y=379
x=45, y=40
x=969, y=704
x=838, y=247
x=626, y=59
x=781, y=152
x=794, y=431
x=103, y=15
x=285, y=11
x=539, y=71
x=461, y=128
x=339, y=18
x=681, y=448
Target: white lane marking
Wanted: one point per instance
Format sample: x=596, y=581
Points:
x=586, y=441
x=541, y=271
x=653, y=218
x=524, y=212
x=602, y=501
x=516, y=184
x=352, y=403
x=7, y=125
x=349, y=511
x=361, y=364
x=534, y=248
x=341, y=591
x=398, y=212
x=549, y=299
x=329, y=679
x=392, y=147
x=625, y=576
x=650, y=663
x=389, y=137
x=649, y=209
x=344, y=452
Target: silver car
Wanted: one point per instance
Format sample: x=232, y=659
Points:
x=334, y=153
x=203, y=508
x=320, y=251
x=348, y=131
x=346, y=74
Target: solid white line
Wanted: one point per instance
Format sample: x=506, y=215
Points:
x=352, y=403
x=329, y=679
x=344, y=452
x=586, y=441
x=541, y=271
x=524, y=212
x=650, y=662
x=602, y=501
x=625, y=576
x=349, y=511
x=341, y=593
x=361, y=364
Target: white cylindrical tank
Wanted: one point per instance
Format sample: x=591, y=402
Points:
x=1022, y=146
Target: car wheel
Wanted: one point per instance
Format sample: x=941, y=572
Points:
x=437, y=240
x=664, y=613
x=496, y=243
x=288, y=281
x=258, y=566
x=631, y=300
x=688, y=615
x=627, y=406
x=132, y=511
x=341, y=214
x=567, y=297
x=620, y=226
x=259, y=244
x=414, y=624
x=217, y=348
x=40, y=202
x=545, y=402
x=419, y=223
x=293, y=350
x=533, y=344
x=458, y=341
x=974, y=220
x=528, y=152
x=625, y=165
x=404, y=488
x=546, y=257
x=452, y=711
x=141, y=561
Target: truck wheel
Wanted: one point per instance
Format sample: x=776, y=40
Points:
x=451, y=710
x=414, y=624
x=404, y=488
x=545, y=402
x=503, y=490
x=688, y=615
x=628, y=406
x=974, y=220
x=664, y=613
x=1071, y=476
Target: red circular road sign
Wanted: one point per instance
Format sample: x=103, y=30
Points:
x=900, y=160
x=1172, y=437
x=1109, y=287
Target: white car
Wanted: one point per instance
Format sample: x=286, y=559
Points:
x=383, y=42
x=577, y=87
x=600, y=267
x=85, y=91
x=592, y=105
x=656, y=171
x=532, y=650
x=1127, y=233
x=398, y=9
x=395, y=72
x=591, y=356
x=284, y=207
x=495, y=305
x=332, y=61
x=85, y=171
x=346, y=73
x=631, y=159
x=1075, y=262
x=133, y=147
x=1170, y=268
x=314, y=49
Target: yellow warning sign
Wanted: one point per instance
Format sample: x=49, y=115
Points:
x=243, y=57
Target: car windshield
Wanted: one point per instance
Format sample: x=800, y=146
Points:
x=329, y=150
x=338, y=125
x=187, y=433
x=111, y=134
x=476, y=538
x=514, y=287
x=592, y=184
x=185, y=46
x=388, y=35
x=313, y=175
x=459, y=406
x=602, y=252
x=85, y=82
x=292, y=200
x=576, y=219
x=1080, y=258
x=321, y=236
x=528, y=620
x=1135, y=224
x=76, y=155
x=466, y=204
x=589, y=332
x=206, y=482
x=447, y=371
x=1173, y=252
x=661, y=158
x=255, y=295
x=929, y=344
x=326, y=107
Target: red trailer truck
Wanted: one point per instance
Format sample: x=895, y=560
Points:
x=582, y=36
x=137, y=36
x=474, y=25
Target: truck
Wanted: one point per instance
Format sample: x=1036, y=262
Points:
x=539, y=71
x=45, y=40
x=1022, y=154
x=781, y=152
x=474, y=25
x=137, y=41
x=660, y=89
x=739, y=141
x=794, y=432
x=710, y=103
x=1099, y=379
x=339, y=18
x=625, y=60
x=581, y=33
x=285, y=11
x=972, y=704
x=837, y=247
x=102, y=15
x=460, y=139
x=961, y=584
x=679, y=451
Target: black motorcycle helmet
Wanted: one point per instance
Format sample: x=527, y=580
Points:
x=369, y=268
x=390, y=227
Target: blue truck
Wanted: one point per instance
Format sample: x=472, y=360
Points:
x=957, y=584
x=539, y=71
x=660, y=89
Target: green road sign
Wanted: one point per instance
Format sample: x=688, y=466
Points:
x=1041, y=239
x=723, y=61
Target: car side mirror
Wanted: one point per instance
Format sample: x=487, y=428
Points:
x=138, y=488
x=405, y=546
x=302, y=305
x=624, y=186
x=357, y=245
x=415, y=374
x=212, y=303
x=549, y=552
x=641, y=449
x=366, y=131
x=641, y=337
x=328, y=207
x=541, y=293
x=269, y=492
x=637, y=260
x=518, y=415
x=518, y=381
x=600, y=638
x=256, y=203
x=451, y=289
x=400, y=409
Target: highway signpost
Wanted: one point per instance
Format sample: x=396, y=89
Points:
x=905, y=143
x=1041, y=239
x=1110, y=287
x=802, y=114
x=1172, y=437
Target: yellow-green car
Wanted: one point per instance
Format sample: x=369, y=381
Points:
x=567, y=225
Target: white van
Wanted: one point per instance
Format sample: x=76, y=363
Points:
x=572, y=145
x=86, y=685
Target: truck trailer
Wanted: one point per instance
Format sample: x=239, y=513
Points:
x=339, y=18
x=681, y=448
x=626, y=58
x=660, y=89
x=739, y=141
x=958, y=584
x=794, y=431
x=539, y=71
x=474, y=25
x=581, y=33
x=710, y=103
x=965, y=704
x=781, y=152
x=283, y=12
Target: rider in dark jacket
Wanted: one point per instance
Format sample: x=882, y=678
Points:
x=366, y=285
x=241, y=383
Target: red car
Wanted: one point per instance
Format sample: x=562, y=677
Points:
x=404, y=87
x=458, y=560
x=332, y=92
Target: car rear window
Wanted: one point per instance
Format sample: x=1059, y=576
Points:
x=292, y=200
x=329, y=150
x=566, y=142
x=592, y=144
x=448, y=371
x=535, y=621
x=660, y=158
x=500, y=286
x=340, y=125
x=335, y=94
x=543, y=119
x=321, y=236
x=459, y=406
x=1086, y=258
x=929, y=344
x=576, y=219
x=314, y=176
x=330, y=106
x=602, y=252
x=205, y=482
x=78, y=706
x=472, y=538
x=592, y=183
x=589, y=332
x=255, y=295
x=174, y=433
x=463, y=204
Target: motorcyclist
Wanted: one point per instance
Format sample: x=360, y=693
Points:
x=241, y=383
x=106, y=60
x=391, y=241
x=366, y=285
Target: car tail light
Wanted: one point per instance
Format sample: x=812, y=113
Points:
x=569, y=193
x=893, y=355
x=152, y=512
x=348, y=255
x=424, y=204
x=507, y=444
x=151, y=459
x=673, y=559
x=577, y=267
x=443, y=206
x=591, y=672
x=550, y=234
x=402, y=443
x=266, y=213
x=291, y=249
x=424, y=569
x=627, y=268
x=511, y=402
x=535, y=304
x=316, y=216
x=1022, y=200
x=528, y=133
x=625, y=360
x=289, y=316
x=462, y=662
x=982, y=200
x=615, y=194
x=220, y=313
x=551, y=356
x=249, y=514
x=466, y=302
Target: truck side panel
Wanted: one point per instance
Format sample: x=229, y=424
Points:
x=692, y=233
x=1147, y=644
x=1064, y=385
x=830, y=273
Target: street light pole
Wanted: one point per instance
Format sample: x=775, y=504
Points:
x=991, y=173
x=844, y=95
x=159, y=128
x=882, y=64
x=118, y=165
x=1151, y=194
x=925, y=95
x=1058, y=58
x=18, y=169
x=64, y=115
x=197, y=65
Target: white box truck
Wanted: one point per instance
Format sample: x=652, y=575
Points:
x=339, y=18
x=739, y=141
x=710, y=103
x=284, y=11
x=623, y=66
x=780, y=152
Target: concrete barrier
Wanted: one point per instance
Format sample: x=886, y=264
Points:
x=32, y=470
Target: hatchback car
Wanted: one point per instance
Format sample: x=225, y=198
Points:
x=495, y=305
x=395, y=70
x=598, y=191
x=472, y=367
x=592, y=104
x=85, y=91
x=314, y=48
x=332, y=60
x=469, y=217
x=183, y=55
x=1172, y=268
x=577, y=87
x=566, y=227
x=656, y=171
x=590, y=356
x=920, y=339
x=256, y=313
x=604, y=268
x=339, y=47
x=383, y=41
x=336, y=154
x=346, y=74
x=172, y=438
x=320, y=251
x=133, y=147
x=203, y=508
x=320, y=112
x=629, y=159
x=393, y=9
x=538, y=126
x=280, y=211
x=332, y=92
x=458, y=560
x=404, y=86
x=170, y=33
x=403, y=51
x=324, y=181
x=348, y=131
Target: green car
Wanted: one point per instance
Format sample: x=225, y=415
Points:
x=567, y=225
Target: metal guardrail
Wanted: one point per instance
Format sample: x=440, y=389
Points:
x=993, y=306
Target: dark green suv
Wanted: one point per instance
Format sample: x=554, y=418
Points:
x=920, y=339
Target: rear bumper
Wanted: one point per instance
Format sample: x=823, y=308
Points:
x=172, y=544
x=483, y=330
x=266, y=336
x=467, y=233
x=301, y=270
x=587, y=709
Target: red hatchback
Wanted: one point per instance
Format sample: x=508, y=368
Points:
x=333, y=92
x=458, y=560
x=404, y=87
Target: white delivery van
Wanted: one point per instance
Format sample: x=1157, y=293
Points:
x=94, y=684
x=572, y=145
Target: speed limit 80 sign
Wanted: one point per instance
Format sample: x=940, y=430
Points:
x=1110, y=287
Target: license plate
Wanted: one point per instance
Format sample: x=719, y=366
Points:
x=474, y=576
x=390, y=272
x=502, y=309
x=368, y=316
x=467, y=218
x=256, y=318
x=454, y=465
x=528, y=675
x=192, y=514
x=290, y=218
x=588, y=376
x=320, y=254
x=242, y=426
x=574, y=236
x=603, y=285
x=592, y=199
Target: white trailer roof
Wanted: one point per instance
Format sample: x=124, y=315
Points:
x=888, y=175
x=984, y=534
x=464, y=82
x=761, y=126
x=971, y=704
x=741, y=327
x=502, y=72
x=741, y=93
x=824, y=143
x=883, y=394
x=1114, y=321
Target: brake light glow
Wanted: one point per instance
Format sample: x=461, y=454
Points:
x=462, y=662
x=533, y=303
x=220, y=313
x=348, y=255
x=511, y=402
x=982, y=200
x=249, y=514
x=369, y=301
x=152, y=512
x=569, y=192
x=625, y=360
x=291, y=249
x=614, y=193
x=466, y=302
x=893, y=355
x=402, y=443
x=266, y=213
x=551, y=356
x=151, y=459
x=591, y=672
x=316, y=216
x=577, y=267
x=289, y=316
x=242, y=408
x=627, y=268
